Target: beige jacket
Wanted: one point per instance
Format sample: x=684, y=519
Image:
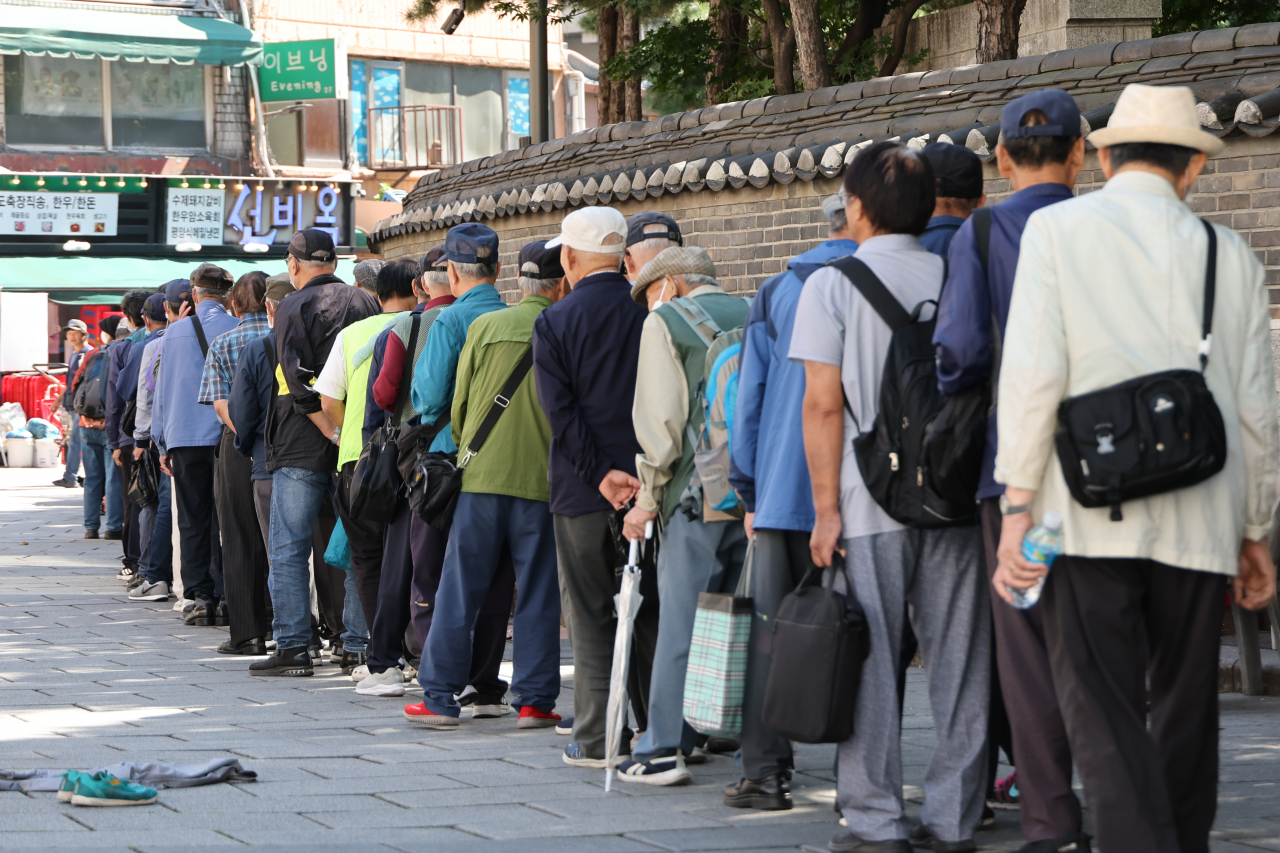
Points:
x=1110, y=286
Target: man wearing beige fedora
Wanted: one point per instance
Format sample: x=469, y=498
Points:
x=1110, y=287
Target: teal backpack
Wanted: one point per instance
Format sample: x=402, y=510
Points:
x=718, y=392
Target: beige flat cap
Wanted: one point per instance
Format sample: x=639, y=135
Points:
x=677, y=260
x=1165, y=114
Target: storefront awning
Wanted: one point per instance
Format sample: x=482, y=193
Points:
x=86, y=33
x=101, y=281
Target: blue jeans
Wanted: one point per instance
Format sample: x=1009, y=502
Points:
x=296, y=497
x=482, y=523
x=101, y=476
x=356, y=637
x=695, y=557
x=73, y=450
x=155, y=535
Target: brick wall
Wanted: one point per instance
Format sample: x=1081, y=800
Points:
x=752, y=233
x=231, y=113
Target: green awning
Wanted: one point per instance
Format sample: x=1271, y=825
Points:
x=101, y=281
x=86, y=33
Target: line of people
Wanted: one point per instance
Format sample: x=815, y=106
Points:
x=580, y=414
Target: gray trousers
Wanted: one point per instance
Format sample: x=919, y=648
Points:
x=781, y=559
x=939, y=573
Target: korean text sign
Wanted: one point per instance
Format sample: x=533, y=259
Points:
x=297, y=70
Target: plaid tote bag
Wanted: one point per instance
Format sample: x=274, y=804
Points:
x=716, y=678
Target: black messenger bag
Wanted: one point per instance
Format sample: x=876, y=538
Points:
x=1146, y=436
x=376, y=481
x=820, y=640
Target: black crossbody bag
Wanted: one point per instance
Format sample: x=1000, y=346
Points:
x=376, y=481
x=1146, y=436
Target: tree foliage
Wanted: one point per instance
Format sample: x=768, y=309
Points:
x=1181, y=16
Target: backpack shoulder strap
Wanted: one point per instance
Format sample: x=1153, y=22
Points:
x=269, y=347
x=404, y=386
x=697, y=317
x=874, y=291
x=1210, y=286
x=982, y=234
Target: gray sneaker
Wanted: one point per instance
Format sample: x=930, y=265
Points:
x=158, y=591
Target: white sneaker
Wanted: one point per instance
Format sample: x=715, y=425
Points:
x=389, y=682
x=158, y=591
x=360, y=673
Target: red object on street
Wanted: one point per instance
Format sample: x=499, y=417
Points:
x=37, y=393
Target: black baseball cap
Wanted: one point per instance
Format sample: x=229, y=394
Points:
x=312, y=244
x=537, y=261
x=211, y=277
x=651, y=225
x=433, y=261
x=1058, y=107
x=957, y=170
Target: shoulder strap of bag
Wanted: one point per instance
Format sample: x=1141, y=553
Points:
x=874, y=291
x=1210, y=285
x=697, y=318
x=204, y=342
x=500, y=404
x=404, y=386
x=982, y=234
x=268, y=346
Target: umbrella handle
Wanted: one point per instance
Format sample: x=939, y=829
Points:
x=633, y=557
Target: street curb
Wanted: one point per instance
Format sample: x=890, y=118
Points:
x=1229, y=678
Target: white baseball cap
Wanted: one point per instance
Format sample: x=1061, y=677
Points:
x=599, y=230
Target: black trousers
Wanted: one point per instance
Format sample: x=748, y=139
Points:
x=1117, y=629
x=129, y=533
x=365, y=539
x=245, y=568
x=489, y=638
x=1047, y=806
x=197, y=522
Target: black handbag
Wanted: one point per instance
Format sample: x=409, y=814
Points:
x=144, y=481
x=1146, y=436
x=376, y=481
x=436, y=479
x=820, y=641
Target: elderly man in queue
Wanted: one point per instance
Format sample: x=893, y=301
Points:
x=648, y=233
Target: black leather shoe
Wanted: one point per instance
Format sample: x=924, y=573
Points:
x=351, y=660
x=202, y=614
x=722, y=745
x=772, y=793
x=847, y=842
x=251, y=646
x=114, y=534
x=921, y=837
x=221, y=616
x=1066, y=844
x=288, y=663
x=91, y=534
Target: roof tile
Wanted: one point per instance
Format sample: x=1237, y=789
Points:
x=850, y=91
x=787, y=103
x=823, y=97
x=1173, y=45
x=1059, y=60
x=670, y=122
x=728, y=112
x=907, y=82
x=1259, y=52
x=996, y=70
x=965, y=74
x=1213, y=40
x=1165, y=64
x=755, y=107
x=1025, y=66
x=936, y=78
x=690, y=120
x=1078, y=74
x=1203, y=60
x=1133, y=51
x=1095, y=55
x=877, y=87
x=1255, y=35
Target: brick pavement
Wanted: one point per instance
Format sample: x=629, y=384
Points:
x=88, y=679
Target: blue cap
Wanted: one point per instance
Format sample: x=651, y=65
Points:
x=154, y=307
x=176, y=289
x=471, y=243
x=1061, y=111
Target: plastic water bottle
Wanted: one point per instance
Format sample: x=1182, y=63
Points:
x=1042, y=544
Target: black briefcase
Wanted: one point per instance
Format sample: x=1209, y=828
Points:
x=820, y=640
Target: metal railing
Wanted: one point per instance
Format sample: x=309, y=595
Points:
x=415, y=137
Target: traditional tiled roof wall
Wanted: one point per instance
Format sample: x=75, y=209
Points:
x=1235, y=73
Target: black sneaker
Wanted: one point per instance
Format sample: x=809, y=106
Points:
x=847, y=842
x=772, y=793
x=135, y=582
x=90, y=534
x=114, y=534
x=221, y=616
x=488, y=707
x=202, y=613
x=350, y=660
x=720, y=745
x=65, y=483
x=287, y=663
x=251, y=646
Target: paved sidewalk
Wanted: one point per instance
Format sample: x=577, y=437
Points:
x=88, y=679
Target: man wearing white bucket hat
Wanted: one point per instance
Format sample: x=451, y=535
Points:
x=1114, y=286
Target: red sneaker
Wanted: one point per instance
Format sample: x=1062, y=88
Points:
x=424, y=716
x=532, y=718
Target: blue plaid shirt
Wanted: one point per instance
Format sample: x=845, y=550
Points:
x=224, y=355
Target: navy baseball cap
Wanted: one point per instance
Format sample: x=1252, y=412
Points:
x=537, y=261
x=957, y=170
x=177, y=290
x=471, y=243
x=1061, y=111
x=651, y=225
x=154, y=306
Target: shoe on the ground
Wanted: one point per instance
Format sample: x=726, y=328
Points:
x=65, y=483
x=772, y=793
x=1080, y=843
x=67, y=786
x=360, y=673
x=335, y=651
x=317, y=655
x=126, y=574
x=90, y=534
x=1005, y=795
x=467, y=696
x=188, y=604
x=574, y=756
x=565, y=726
x=721, y=745
x=424, y=716
x=696, y=756
x=201, y=614
x=110, y=791
x=222, y=616
x=389, y=682
x=349, y=661
x=489, y=706
x=847, y=842
x=660, y=770
x=251, y=647
x=288, y=663
x=921, y=837
x=987, y=822
x=532, y=718
x=116, y=535
x=410, y=672
x=135, y=582
x=158, y=591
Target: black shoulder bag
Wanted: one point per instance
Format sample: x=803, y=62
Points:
x=204, y=342
x=376, y=481
x=1146, y=436
x=437, y=476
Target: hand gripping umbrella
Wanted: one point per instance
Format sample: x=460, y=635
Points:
x=627, y=604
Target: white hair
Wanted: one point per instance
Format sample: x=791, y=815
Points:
x=436, y=277
x=474, y=271
x=316, y=265
x=693, y=279
x=536, y=286
x=655, y=243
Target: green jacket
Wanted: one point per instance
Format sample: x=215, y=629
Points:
x=513, y=460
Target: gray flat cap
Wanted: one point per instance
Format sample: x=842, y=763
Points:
x=677, y=260
x=831, y=205
x=366, y=273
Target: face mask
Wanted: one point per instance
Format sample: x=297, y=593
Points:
x=662, y=293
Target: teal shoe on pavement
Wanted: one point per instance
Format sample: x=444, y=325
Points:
x=107, y=790
x=69, y=780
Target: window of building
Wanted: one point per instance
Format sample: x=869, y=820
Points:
x=91, y=103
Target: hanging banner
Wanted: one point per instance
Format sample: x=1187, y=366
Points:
x=34, y=214
x=247, y=214
x=297, y=70
x=194, y=216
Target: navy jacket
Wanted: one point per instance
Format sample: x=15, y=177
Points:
x=250, y=398
x=374, y=416
x=939, y=232
x=586, y=348
x=119, y=352
x=972, y=297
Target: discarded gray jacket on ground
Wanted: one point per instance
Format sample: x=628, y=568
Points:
x=143, y=772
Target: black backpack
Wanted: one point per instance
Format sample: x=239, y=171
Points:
x=922, y=458
x=91, y=393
